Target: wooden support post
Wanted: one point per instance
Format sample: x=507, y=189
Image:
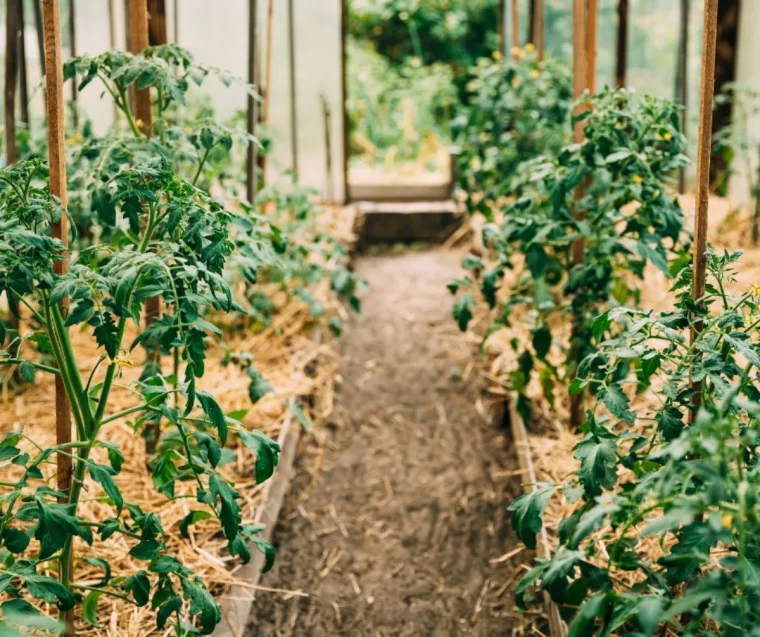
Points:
x=682, y=79
x=704, y=151
x=251, y=154
x=11, y=79
x=515, y=15
x=621, y=61
x=725, y=72
x=51, y=18
x=73, y=53
x=293, y=93
x=537, y=26
x=22, y=67
x=157, y=22
x=344, y=98
x=266, y=91
x=580, y=84
x=592, y=15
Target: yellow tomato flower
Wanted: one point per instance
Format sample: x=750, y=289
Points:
x=667, y=137
x=637, y=179
x=496, y=55
x=756, y=289
x=516, y=52
x=139, y=123
x=529, y=48
x=122, y=359
x=515, y=82
x=535, y=74
x=727, y=520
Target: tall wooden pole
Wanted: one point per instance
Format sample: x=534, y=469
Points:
x=267, y=88
x=592, y=15
x=138, y=40
x=51, y=14
x=73, y=53
x=580, y=84
x=704, y=151
x=251, y=159
x=621, y=61
x=22, y=67
x=537, y=26
x=293, y=93
x=11, y=79
x=515, y=22
x=157, y=22
x=682, y=79
x=346, y=128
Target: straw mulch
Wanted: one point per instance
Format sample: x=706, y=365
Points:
x=550, y=440
x=293, y=353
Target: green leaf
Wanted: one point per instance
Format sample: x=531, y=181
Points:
x=600, y=326
x=139, y=585
x=99, y=562
x=536, y=260
x=102, y=475
x=190, y=519
x=296, y=410
x=617, y=402
x=229, y=512
x=670, y=423
x=214, y=413
x=50, y=590
x=463, y=311
x=15, y=540
x=259, y=386
x=598, y=468
x=172, y=605
x=266, y=450
x=90, y=608
x=527, y=513
x=203, y=605
x=27, y=370
x=542, y=341
x=57, y=523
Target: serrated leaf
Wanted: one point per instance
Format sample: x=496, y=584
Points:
x=527, y=513
x=617, y=402
x=598, y=468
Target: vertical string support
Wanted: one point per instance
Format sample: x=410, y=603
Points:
x=515, y=24
x=704, y=152
x=251, y=114
x=51, y=19
x=266, y=92
x=23, y=77
x=344, y=8
x=621, y=60
x=293, y=96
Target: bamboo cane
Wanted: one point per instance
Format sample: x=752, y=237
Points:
x=682, y=80
x=704, y=152
x=51, y=14
x=267, y=84
x=293, y=94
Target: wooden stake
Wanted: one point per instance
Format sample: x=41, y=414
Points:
x=591, y=45
x=580, y=84
x=293, y=100
x=157, y=22
x=344, y=99
x=682, y=80
x=11, y=79
x=73, y=53
x=251, y=159
x=704, y=149
x=537, y=24
x=51, y=18
x=515, y=29
x=267, y=92
x=621, y=63
x=22, y=68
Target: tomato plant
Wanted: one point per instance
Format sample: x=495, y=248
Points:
x=664, y=529
x=609, y=195
x=517, y=110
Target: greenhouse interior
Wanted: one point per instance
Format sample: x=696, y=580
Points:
x=380, y=318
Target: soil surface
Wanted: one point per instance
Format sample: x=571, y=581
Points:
x=400, y=528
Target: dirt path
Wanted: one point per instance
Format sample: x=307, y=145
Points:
x=397, y=535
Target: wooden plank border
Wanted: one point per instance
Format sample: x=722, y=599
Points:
x=557, y=627
x=236, y=609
